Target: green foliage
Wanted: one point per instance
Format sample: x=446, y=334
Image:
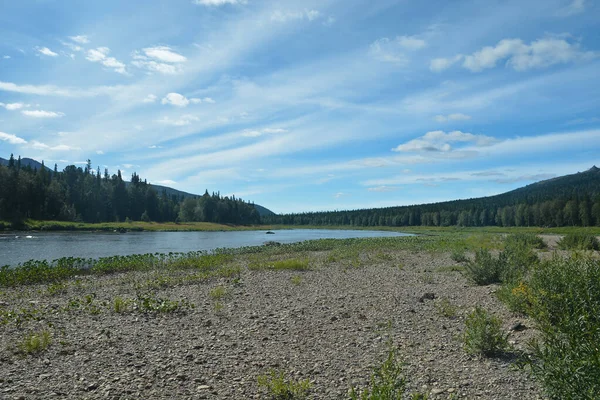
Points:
x=563, y=296
x=120, y=305
x=279, y=387
x=149, y=303
x=579, y=241
x=35, y=343
x=291, y=264
x=387, y=381
x=483, y=335
x=296, y=280
x=219, y=293
x=529, y=240
x=446, y=308
x=485, y=269
x=459, y=256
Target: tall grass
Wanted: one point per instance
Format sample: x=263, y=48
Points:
x=579, y=241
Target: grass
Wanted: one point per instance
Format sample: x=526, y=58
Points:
x=485, y=269
x=35, y=343
x=280, y=387
x=446, y=308
x=219, y=293
x=296, y=280
x=483, y=335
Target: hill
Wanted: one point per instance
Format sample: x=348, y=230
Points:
x=566, y=200
x=26, y=162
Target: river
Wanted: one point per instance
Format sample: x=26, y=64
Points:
x=18, y=247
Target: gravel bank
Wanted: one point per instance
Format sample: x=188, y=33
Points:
x=330, y=324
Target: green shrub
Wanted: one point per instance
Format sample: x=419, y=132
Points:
x=291, y=264
x=387, y=382
x=219, y=292
x=483, y=335
x=579, y=241
x=564, y=299
x=459, y=256
x=279, y=387
x=485, y=269
x=518, y=259
x=529, y=240
x=446, y=308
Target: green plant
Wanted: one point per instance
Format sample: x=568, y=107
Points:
x=579, y=241
x=152, y=304
x=387, y=381
x=446, y=308
x=485, y=269
x=529, y=240
x=459, y=256
x=120, y=305
x=35, y=342
x=291, y=264
x=219, y=292
x=296, y=279
x=483, y=334
x=279, y=387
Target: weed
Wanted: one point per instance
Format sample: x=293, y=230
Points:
x=579, y=241
x=529, y=240
x=35, y=342
x=279, y=387
x=485, y=269
x=120, y=305
x=151, y=304
x=218, y=306
x=459, y=256
x=387, y=381
x=296, y=280
x=483, y=334
x=291, y=264
x=219, y=293
x=447, y=309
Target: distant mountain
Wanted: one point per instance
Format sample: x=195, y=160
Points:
x=569, y=200
x=26, y=162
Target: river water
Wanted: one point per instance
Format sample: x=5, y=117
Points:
x=18, y=247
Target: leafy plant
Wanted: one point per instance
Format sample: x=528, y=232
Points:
x=485, y=269
x=446, y=308
x=291, y=264
x=279, y=387
x=459, y=256
x=483, y=334
x=219, y=292
x=296, y=279
x=387, y=381
x=579, y=241
x=120, y=305
x=529, y=240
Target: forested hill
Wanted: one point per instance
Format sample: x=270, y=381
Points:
x=85, y=194
x=564, y=201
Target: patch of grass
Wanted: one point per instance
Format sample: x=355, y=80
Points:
x=291, y=264
x=219, y=293
x=280, y=387
x=579, y=241
x=218, y=307
x=530, y=240
x=120, y=305
x=446, y=308
x=387, y=381
x=459, y=256
x=296, y=280
x=483, y=335
x=149, y=303
x=35, y=343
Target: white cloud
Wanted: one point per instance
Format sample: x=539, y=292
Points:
x=575, y=7
x=440, y=64
x=12, y=139
x=13, y=106
x=164, y=54
x=260, y=132
x=42, y=114
x=175, y=99
x=217, y=3
x=81, y=39
x=394, y=50
x=165, y=182
x=181, y=121
x=61, y=147
x=46, y=51
x=383, y=189
x=155, y=147
x=6, y=57
x=153, y=66
x=515, y=53
x=452, y=117
x=100, y=55
x=150, y=99
x=440, y=141
x=340, y=195
x=51, y=90
x=285, y=16
x=99, y=152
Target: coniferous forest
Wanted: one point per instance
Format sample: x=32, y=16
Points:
x=87, y=195
x=571, y=200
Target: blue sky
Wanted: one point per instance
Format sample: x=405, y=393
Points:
x=306, y=105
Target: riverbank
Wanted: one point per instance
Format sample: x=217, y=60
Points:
x=326, y=311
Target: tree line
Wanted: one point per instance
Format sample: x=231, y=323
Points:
x=87, y=195
x=572, y=200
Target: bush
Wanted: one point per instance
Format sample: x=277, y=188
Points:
x=483, y=334
x=518, y=258
x=485, y=269
x=35, y=343
x=281, y=388
x=386, y=383
x=579, y=241
x=564, y=299
x=529, y=240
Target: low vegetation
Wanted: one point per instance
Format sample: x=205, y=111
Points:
x=579, y=241
x=483, y=334
x=34, y=343
x=280, y=387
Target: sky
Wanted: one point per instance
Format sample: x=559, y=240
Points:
x=306, y=105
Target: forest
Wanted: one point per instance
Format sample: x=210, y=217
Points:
x=571, y=200
x=87, y=195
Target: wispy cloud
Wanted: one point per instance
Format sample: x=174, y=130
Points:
x=285, y=16
x=150, y=99
x=46, y=51
x=61, y=147
x=452, y=117
x=216, y=3
x=395, y=50
x=13, y=106
x=162, y=59
x=441, y=141
x=42, y=114
x=383, y=189
x=51, y=90
x=573, y=8
x=12, y=139
x=100, y=55
x=179, y=121
x=81, y=39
